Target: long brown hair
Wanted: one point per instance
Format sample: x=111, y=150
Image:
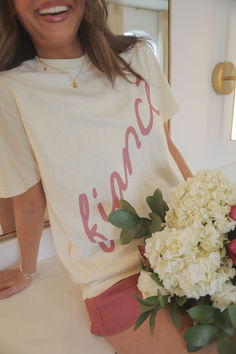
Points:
x=101, y=45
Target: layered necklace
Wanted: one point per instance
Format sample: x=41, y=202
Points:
x=74, y=80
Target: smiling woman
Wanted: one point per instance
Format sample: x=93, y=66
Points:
x=84, y=146
x=48, y=40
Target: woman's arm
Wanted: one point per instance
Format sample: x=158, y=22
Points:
x=29, y=209
x=183, y=167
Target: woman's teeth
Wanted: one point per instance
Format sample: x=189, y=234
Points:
x=54, y=10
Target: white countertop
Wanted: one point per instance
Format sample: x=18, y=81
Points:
x=48, y=317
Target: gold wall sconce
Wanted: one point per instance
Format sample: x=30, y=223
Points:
x=223, y=82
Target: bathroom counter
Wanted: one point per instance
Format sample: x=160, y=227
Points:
x=48, y=317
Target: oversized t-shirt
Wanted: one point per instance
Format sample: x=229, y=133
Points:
x=91, y=146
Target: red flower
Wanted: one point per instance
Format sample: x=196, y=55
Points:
x=142, y=252
x=232, y=213
x=232, y=251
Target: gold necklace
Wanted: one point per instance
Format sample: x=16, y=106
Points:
x=74, y=83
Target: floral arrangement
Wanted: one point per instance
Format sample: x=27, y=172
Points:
x=188, y=258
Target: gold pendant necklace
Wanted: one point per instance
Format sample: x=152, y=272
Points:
x=74, y=82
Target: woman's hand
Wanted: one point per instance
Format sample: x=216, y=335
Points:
x=12, y=281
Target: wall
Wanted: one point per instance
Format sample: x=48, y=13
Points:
x=143, y=20
x=10, y=251
x=202, y=35
x=153, y=22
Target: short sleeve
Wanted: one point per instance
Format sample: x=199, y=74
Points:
x=148, y=66
x=18, y=166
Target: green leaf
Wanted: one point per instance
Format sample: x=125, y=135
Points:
x=126, y=236
x=203, y=314
x=141, y=319
x=232, y=234
x=149, y=301
x=229, y=315
x=163, y=301
x=158, y=200
x=127, y=206
x=142, y=262
x=165, y=207
x=226, y=344
x=155, y=203
x=201, y=335
x=152, y=300
x=180, y=301
x=191, y=348
x=223, y=252
x=175, y=314
x=123, y=219
x=146, y=308
x=142, y=228
x=139, y=299
x=156, y=278
x=152, y=321
x=226, y=329
x=156, y=223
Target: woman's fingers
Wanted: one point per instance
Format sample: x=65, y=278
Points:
x=8, y=292
x=12, y=281
x=6, y=275
x=4, y=286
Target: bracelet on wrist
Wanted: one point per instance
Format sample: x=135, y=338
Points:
x=28, y=276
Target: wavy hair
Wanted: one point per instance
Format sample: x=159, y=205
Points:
x=101, y=45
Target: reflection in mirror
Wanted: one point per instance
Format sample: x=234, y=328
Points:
x=233, y=132
x=133, y=16
x=149, y=18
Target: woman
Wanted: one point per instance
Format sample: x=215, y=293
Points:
x=85, y=112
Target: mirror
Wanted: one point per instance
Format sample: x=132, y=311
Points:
x=125, y=16
x=233, y=130
x=147, y=18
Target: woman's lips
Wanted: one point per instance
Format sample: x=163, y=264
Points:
x=55, y=18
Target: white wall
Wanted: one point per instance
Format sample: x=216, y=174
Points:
x=10, y=251
x=203, y=34
x=143, y=20
x=147, y=4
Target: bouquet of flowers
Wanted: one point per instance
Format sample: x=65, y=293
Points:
x=188, y=258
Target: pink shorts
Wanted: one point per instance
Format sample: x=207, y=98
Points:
x=115, y=309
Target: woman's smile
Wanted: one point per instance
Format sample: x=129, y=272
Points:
x=54, y=11
x=52, y=25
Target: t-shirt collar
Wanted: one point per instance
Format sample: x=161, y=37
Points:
x=64, y=64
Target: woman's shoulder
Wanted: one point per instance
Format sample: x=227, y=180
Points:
x=140, y=50
x=7, y=80
x=143, y=60
x=9, y=74
x=141, y=46
x=4, y=87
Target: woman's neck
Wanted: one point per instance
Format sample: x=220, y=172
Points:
x=63, y=52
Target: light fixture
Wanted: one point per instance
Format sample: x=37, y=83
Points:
x=223, y=82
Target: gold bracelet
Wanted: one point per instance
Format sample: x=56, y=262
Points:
x=29, y=276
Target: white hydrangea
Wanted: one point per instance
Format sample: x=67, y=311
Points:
x=188, y=261
x=204, y=200
x=225, y=297
x=149, y=287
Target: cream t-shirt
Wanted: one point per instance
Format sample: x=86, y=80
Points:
x=90, y=146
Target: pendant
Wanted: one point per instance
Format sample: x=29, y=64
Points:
x=74, y=84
